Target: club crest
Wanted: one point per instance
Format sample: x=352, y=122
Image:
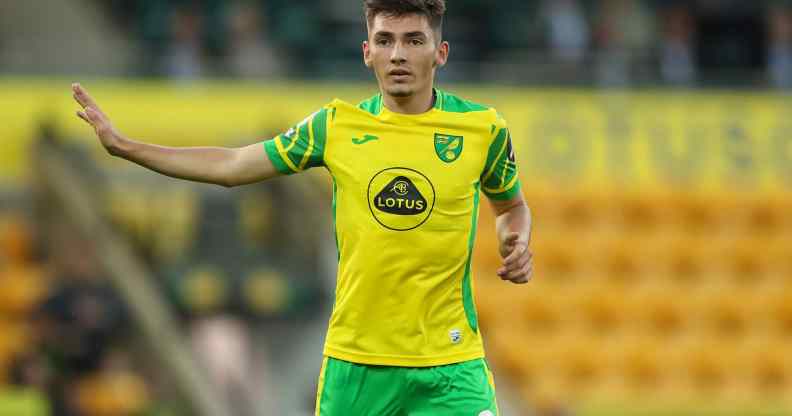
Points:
x=447, y=147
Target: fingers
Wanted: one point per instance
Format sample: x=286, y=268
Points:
x=81, y=96
x=84, y=116
x=518, y=266
x=523, y=275
x=518, y=248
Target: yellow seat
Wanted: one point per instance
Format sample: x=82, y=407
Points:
x=779, y=309
x=640, y=213
x=16, y=241
x=708, y=366
x=764, y=214
x=693, y=212
x=769, y=366
x=622, y=259
x=730, y=314
x=15, y=338
x=112, y=393
x=561, y=257
x=639, y=360
x=22, y=288
x=600, y=309
x=177, y=213
x=662, y=311
x=512, y=351
x=685, y=260
x=747, y=261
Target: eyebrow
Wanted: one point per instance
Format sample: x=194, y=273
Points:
x=414, y=34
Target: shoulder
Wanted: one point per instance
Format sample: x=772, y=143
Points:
x=451, y=103
x=484, y=114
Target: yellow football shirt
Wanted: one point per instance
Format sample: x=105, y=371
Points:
x=405, y=201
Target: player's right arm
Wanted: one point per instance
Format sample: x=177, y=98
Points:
x=216, y=165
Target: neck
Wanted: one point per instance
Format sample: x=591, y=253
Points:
x=415, y=104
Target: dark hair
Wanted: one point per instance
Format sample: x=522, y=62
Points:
x=432, y=9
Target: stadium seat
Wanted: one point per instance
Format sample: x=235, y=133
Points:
x=582, y=364
x=561, y=258
x=764, y=214
x=15, y=338
x=622, y=259
x=15, y=240
x=640, y=361
x=639, y=212
x=21, y=289
x=128, y=206
x=780, y=258
x=662, y=310
x=510, y=347
x=769, y=366
x=685, y=260
x=692, y=211
x=582, y=209
x=727, y=313
x=175, y=223
x=708, y=365
x=779, y=308
x=204, y=289
x=266, y=291
x=112, y=394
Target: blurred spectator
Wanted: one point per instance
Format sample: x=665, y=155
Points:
x=568, y=30
x=677, y=62
x=779, y=65
x=184, y=58
x=250, y=55
x=624, y=33
x=78, y=321
x=223, y=344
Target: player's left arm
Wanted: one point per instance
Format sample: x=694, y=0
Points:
x=500, y=182
x=513, y=227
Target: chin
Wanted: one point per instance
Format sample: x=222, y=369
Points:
x=399, y=91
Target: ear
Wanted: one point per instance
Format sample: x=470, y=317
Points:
x=366, y=54
x=441, y=57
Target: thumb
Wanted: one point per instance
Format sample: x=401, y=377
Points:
x=511, y=238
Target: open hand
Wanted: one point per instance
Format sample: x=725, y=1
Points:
x=93, y=115
x=517, y=260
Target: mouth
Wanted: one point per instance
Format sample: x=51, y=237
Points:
x=399, y=73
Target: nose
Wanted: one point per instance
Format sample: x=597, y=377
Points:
x=397, y=54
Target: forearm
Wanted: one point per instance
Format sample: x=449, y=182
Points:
x=200, y=164
x=514, y=219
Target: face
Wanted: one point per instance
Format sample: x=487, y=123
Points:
x=404, y=52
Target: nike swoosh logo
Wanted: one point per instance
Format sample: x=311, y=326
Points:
x=367, y=138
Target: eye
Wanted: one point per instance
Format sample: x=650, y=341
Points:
x=416, y=42
x=382, y=42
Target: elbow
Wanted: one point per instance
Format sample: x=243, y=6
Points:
x=227, y=183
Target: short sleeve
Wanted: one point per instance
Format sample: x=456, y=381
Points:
x=500, y=179
x=302, y=146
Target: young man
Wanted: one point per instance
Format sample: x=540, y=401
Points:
x=408, y=166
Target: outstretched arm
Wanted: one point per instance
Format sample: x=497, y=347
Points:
x=513, y=226
x=217, y=165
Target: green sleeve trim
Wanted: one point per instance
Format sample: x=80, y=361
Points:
x=272, y=151
x=496, y=149
x=319, y=127
x=507, y=194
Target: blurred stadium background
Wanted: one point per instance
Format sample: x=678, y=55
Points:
x=655, y=142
